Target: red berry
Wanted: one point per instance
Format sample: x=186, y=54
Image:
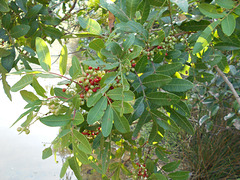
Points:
x=63, y=90
x=99, y=78
x=96, y=80
x=93, y=133
x=111, y=87
x=92, y=82
x=94, y=90
x=80, y=81
x=86, y=88
x=97, y=87
x=97, y=68
x=166, y=54
x=90, y=67
x=82, y=96
x=148, y=57
x=144, y=165
x=99, y=128
x=117, y=80
x=133, y=65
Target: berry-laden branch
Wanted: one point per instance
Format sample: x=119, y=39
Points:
x=228, y=83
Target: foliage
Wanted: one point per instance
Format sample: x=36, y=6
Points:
x=140, y=69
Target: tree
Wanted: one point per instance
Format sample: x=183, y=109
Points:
x=143, y=59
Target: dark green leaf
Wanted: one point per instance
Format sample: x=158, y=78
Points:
x=182, y=121
x=144, y=118
x=169, y=69
x=38, y=88
x=52, y=32
x=171, y=166
x=156, y=80
x=131, y=7
x=228, y=24
x=144, y=8
x=84, y=144
x=96, y=113
x=120, y=95
x=203, y=77
x=92, y=100
x=113, y=8
x=122, y=107
x=47, y=153
x=78, y=119
x=228, y=4
x=210, y=11
x=107, y=122
x=23, y=82
x=129, y=41
x=75, y=69
x=4, y=52
x=8, y=61
x=178, y=85
x=161, y=155
x=80, y=155
x=54, y=121
x=96, y=44
x=179, y=175
x=4, y=6
x=121, y=123
x=194, y=25
x=64, y=169
x=90, y=25
x=141, y=64
x=75, y=167
x=181, y=108
x=163, y=98
x=28, y=96
x=34, y=10
x=19, y=30
x=182, y=4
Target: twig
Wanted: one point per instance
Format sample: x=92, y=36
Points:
x=228, y=83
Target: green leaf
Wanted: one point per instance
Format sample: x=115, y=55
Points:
x=123, y=107
x=228, y=24
x=159, y=38
x=182, y=4
x=226, y=46
x=163, y=98
x=78, y=119
x=171, y=166
x=210, y=11
x=203, y=77
x=96, y=113
x=179, y=175
x=169, y=69
x=182, y=121
x=136, y=52
x=165, y=121
x=8, y=61
x=129, y=42
x=75, y=69
x=141, y=64
x=228, y=4
x=34, y=10
x=28, y=96
x=64, y=169
x=47, y=153
x=156, y=80
x=23, y=82
x=121, y=123
x=93, y=99
x=60, y=94
x=6, y=21
x=205, y=38
x=181, y=108
x=96, y=44
x=4, y=6
x=6, y=86
x=38, y=88
x=19, y=30
x=54, y=121
x=161, y=155
x=178, y=85
x=157, y=176
x=223, y=65
x=113, y=8
x=203, y=119
x=144, y=118
x=4, y=52
x=119, y=95
x=131, y=7
x=75, y=167
x=43, y=54
x=63, y=60
x=52, y=32
x=192, y=25
x=144, y=8
x=90, y=25
x=80, y=155
x=107, y=122
x=101, y=64
x=22, y=4
x=115, y=48
x=84, y=144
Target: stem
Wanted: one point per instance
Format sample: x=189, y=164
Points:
x=228, y=83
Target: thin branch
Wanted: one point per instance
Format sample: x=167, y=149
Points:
x=228, y=83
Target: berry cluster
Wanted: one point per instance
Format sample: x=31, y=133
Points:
x=54, y=105
x=90, y=81
x=142, y=171
x=169, y=42
x=21, y=129
x=91, y=134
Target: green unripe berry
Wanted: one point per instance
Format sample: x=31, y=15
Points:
x=19, y=129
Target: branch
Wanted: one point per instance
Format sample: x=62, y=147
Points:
x=228, y=83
